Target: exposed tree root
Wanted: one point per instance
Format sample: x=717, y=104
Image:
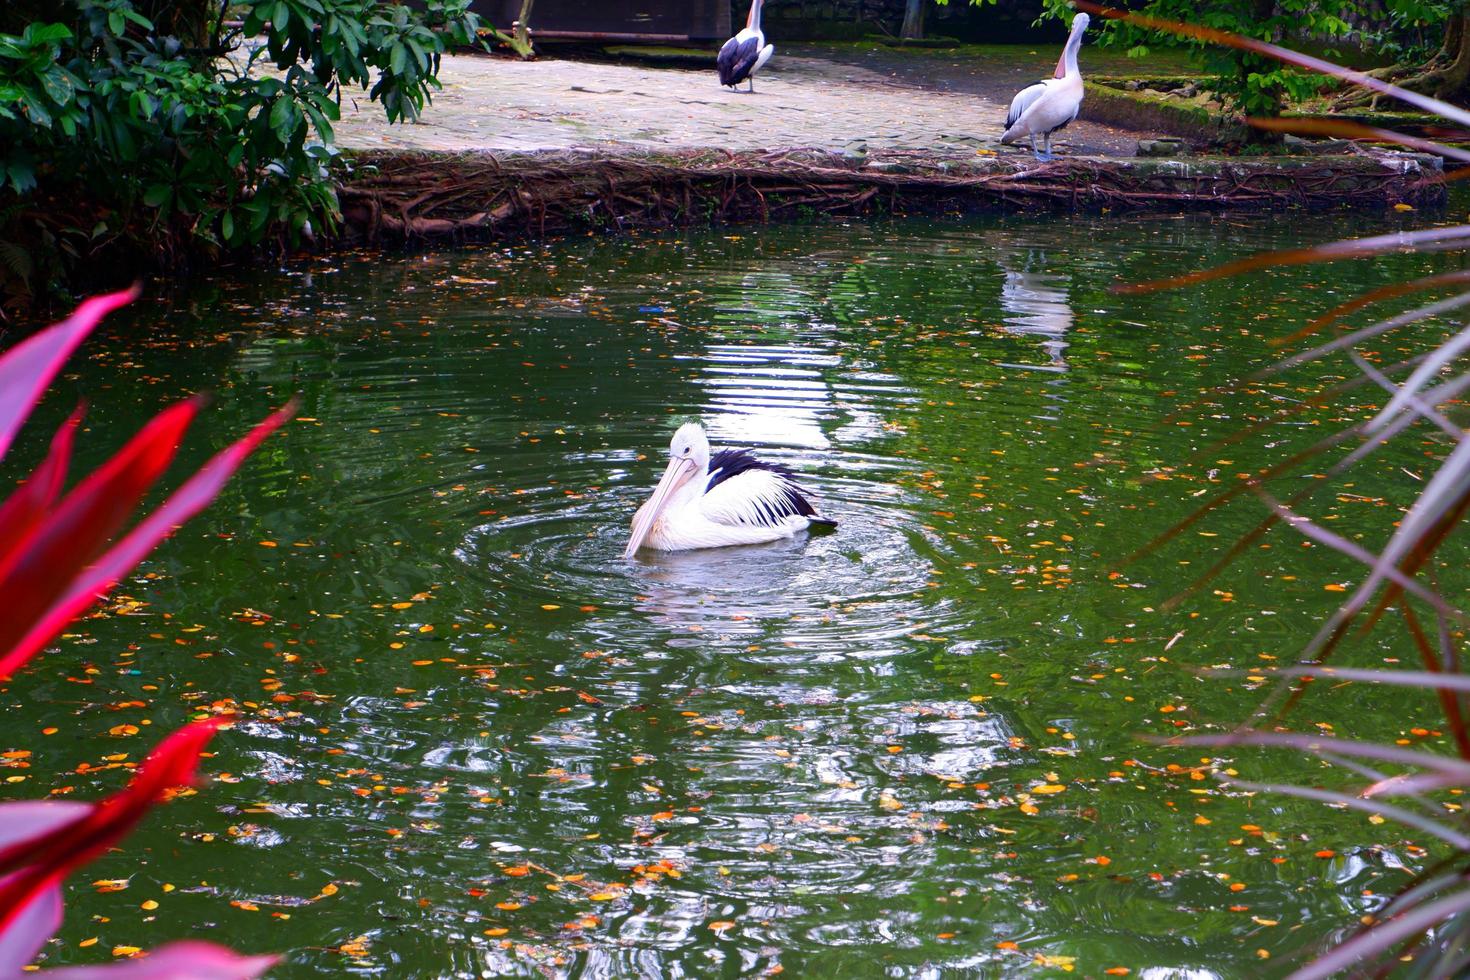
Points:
x=478, y=195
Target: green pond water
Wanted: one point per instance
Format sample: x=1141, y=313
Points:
x=909, y=748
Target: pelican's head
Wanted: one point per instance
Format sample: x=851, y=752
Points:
x=690, y=443
x=688, y=457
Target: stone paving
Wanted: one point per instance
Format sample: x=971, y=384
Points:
x=492, y=103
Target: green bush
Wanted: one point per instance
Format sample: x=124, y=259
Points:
x=171, y=126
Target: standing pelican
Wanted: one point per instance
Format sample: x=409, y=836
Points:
x=743, y=55
x=710, y=502
x=1047, y=106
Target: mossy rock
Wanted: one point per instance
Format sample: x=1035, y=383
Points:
x=1149, y=112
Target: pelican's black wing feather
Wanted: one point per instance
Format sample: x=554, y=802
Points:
x=773, y=497
x=736, y=59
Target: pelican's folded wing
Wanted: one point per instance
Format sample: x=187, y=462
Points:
x=1023, y=101
x=736, y=59
x=745, y=490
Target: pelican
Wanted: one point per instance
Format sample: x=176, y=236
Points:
x=706, y=501
x=1047, y=106
x=743, y=55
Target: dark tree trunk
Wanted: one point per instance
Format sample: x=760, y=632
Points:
x=1457, y=47
x=1448, y=72
x=1454, y=36
x=913, y=20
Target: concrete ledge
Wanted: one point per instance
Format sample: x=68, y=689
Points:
x=490, y=196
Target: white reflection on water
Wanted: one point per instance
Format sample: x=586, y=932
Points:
x=1036, y=303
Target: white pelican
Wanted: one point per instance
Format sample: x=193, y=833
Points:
x=743, y=55
x=1047, y=106
x=710, y=502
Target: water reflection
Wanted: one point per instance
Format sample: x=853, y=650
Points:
x=881, y=751
x=1034, y=296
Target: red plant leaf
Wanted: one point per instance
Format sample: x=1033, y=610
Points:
x=20, y=514
x=26, y=820
x=1349, y=248
x=1390, y=291
x=87, y=519
x=187, y=960
x=1357, y=131
x=39, y=862
x=184, y=503
x=1290, y=57
x=28, y=367
x=30, y=929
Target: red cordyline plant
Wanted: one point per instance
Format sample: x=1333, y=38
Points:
x=1424, y=930
x=59, y=553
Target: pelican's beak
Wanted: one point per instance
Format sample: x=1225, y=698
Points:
x=1061, y=71
x=678, y=474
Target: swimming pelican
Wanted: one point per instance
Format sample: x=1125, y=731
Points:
x=1047, y=106
x=743, y=55
x=708, y=501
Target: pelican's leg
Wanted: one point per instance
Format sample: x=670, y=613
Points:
x=1032, y=138
x=1046, y=153
x=751, y=90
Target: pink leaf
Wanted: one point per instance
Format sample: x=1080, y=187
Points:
x=20, y=513
x=188, y=960
x=86, y=520
x=28, y=367
x=28, y=932
x=28, y=819
x=184, y=503
x=38, y=862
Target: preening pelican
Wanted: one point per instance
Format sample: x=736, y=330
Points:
x=1047, y=106
x=706, y=501
x=743, y=55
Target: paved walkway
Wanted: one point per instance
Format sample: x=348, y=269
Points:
x=492, y=103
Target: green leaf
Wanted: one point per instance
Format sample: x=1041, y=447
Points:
x=116, y=23
x=58, y=85
x=398, y=59
x=157, y=194
x=36, y=111
x=227, y=226
x=281, y=114
x=22, y=175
